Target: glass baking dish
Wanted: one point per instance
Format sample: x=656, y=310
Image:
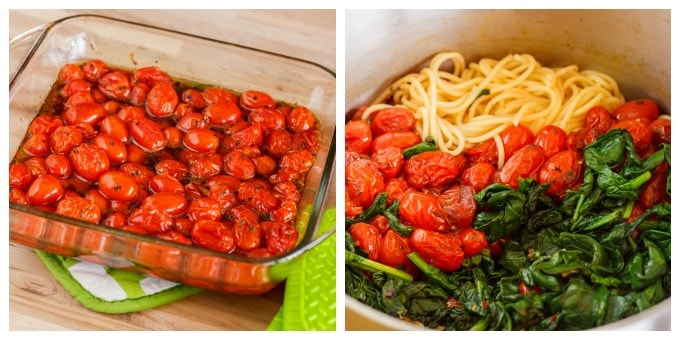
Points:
x=35, y=60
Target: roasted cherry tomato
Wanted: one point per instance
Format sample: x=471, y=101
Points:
x=201, y=140
x=94, y=69
x=147, y=134
x=514, y=138
x=204, y=208
x=367, y=238
x=37, y=145
x=252, y=99
x=474, y=241
x=166, y=183
x=637, y=109
x=301, y=119
x=661, y=129
x=257, y=196
x=114, y=148
x=115, y=85
x=458, y=201
x=422, y=211
x=598, y=119
x=214, y=95
x=70, y=72
x=222, y=113
x=640, y=133
x=279, y=237
x=551, y=140
x=44, y=125
x=433, y=169
x=45, y=189
x=563, y=171
x=524, y=163
x=278, y=142
x=486, y=152
x=152, y=221
x=389, y=160
x=393, y=249
x=239, y=165
x=115, y=127
x=89, y=161
x=654, y=191
x=150, y=75
x=214, y=235
x=364, y=181
x=401, y=140
x=194, y=98
x=20, y=175
x=440, y=250
x=478, y=176
x=394, y=188
x=119, y=186
x=293, y=166
x=58, y=165
x=270, y=119
x=394, y=119
x=358, y=137
x=79, y=208
x=247, y=230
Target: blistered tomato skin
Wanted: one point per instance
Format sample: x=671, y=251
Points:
x=637, y=109
x=563, y=171
x=433, y=169
x=524, y=163
x=116, y=185
x=19, y=175
x=115, y=85
x=364, y=181
x=422, y=211
x=147, y=134
x=551, y=140
x=367, y=238
x=79, y=208
x=253, y=99
x=161, y=100
x=239, y=165
x=392, y=120
x=89, y=161
x=358, y=137
x=213, y=235
x=514, y=138
x=45, y=189
x=301, y=119
x=402, y=140
x=175, y=205
x=440, y=250
x=279, y=237
x=478, y=176
x=458, y=201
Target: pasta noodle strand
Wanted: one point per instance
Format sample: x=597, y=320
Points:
x=473, y=103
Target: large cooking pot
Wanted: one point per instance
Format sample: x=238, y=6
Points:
x=633, y=46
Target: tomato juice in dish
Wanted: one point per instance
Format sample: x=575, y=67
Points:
x=460, y=219
x=143, y=152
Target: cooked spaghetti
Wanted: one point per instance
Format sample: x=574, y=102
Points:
x=473, y=103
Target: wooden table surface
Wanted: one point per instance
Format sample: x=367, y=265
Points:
x=38, y=302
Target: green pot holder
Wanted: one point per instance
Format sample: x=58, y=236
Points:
x=109, y=290
x=309, y=297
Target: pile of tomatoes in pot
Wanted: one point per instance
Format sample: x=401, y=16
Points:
x=139, y=151
x=435, y=190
